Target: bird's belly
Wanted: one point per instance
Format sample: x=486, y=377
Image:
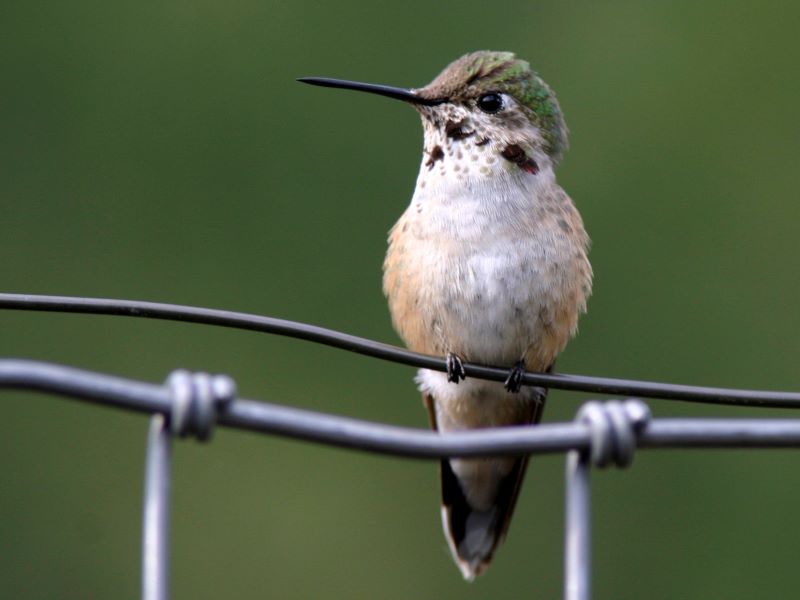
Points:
x=484, y=303
x=489, y=304
x=493, y=282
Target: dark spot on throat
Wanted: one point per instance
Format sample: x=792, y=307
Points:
x=436, y=154
x=483, y=142
x=434, y=121
x=455, y=130
x=515, y=154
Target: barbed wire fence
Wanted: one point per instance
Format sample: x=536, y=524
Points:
x=191, y=404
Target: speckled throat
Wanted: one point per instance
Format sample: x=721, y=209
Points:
x=459, y=144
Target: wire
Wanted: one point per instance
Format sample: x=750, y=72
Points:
x=351, y=343
x=345, y=432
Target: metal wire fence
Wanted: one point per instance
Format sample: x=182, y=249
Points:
x=191, y=404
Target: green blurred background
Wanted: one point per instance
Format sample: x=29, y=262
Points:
x=162, y=151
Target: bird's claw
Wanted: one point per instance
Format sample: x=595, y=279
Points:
x=455, y=368
x=513, y=382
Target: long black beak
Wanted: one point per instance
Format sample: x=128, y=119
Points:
x=372, y=88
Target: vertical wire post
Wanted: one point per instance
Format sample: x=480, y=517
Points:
x=613, y=431
x=577, y=528
x=155, y=529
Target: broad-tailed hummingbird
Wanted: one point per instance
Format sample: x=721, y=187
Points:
x=487, y=265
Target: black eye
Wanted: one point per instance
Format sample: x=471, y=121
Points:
x=490, y=103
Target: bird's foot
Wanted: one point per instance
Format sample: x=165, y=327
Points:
x=455, y=368
x=513, y=382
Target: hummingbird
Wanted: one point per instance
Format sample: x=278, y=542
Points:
x=488, y=265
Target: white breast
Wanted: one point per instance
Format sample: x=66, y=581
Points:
x=489, y=260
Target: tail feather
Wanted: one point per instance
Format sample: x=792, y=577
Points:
x=474, y=532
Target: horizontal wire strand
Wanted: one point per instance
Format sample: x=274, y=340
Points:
x=408, y=442
x=351, y=343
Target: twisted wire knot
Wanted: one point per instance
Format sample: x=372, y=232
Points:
x=614, y=426
x=196, y=399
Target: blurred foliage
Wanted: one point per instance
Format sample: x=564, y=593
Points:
x=162, y=151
